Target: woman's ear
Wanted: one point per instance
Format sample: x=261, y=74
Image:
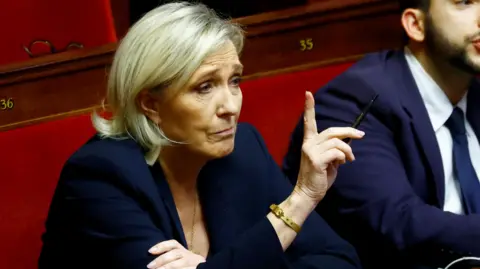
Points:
x=149, y=105
x=413, y=22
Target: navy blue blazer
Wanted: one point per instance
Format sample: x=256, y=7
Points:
x=110, y=207
x=388, y=203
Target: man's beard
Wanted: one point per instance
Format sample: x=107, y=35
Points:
x=440, y=47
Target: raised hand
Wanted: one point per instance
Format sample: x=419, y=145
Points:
x=322, y=154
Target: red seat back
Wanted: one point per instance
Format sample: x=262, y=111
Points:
x=31, y=159
x=89, y=22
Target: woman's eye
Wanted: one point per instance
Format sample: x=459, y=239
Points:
x=236, y=80
x=465, y=2
x=205, y=87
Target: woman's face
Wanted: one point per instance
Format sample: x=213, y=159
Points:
x=204, y=114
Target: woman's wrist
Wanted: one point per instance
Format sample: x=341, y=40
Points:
x=298, y=206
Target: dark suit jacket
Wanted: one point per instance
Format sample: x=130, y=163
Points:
x=110, y=207
x=389, y=202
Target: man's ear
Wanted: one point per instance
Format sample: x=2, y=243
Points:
x=413, y=22
x=149, y=105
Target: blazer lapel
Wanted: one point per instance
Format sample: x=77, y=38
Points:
x=413, y=104
x=221, y=218
x=167, y=197
x=145, y=182
x=473, y=109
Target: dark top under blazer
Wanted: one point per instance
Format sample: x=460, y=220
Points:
x=394, y=191
x=109, y=209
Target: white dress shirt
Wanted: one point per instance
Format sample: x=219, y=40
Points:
x=439, y=109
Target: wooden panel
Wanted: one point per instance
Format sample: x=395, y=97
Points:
x=44, y=98
x=318, y=34
x=294, y=49
x=323, y=32
x=56, y=86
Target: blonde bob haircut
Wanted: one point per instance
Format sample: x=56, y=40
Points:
x=162, y=50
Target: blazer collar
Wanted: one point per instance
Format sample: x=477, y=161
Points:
x=143, y=180
x=414, y=106
x=216, y=197
x=167, y=198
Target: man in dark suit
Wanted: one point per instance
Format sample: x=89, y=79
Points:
x=412, y=197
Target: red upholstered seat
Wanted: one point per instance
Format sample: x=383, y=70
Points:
x=31, y=158
x=88, y=22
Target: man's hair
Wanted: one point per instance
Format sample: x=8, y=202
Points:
x=423, y=5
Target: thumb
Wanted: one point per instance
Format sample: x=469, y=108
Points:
x=309, y=122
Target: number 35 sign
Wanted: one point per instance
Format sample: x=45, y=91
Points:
x=306, y=44
x=6, y=104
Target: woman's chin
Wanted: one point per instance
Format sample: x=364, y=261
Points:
x=224, y=148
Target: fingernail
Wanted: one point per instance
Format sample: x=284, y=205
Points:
x=360, y=133
x=152, y=250
x=151, y=265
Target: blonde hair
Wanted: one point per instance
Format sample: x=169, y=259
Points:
x=162, y=50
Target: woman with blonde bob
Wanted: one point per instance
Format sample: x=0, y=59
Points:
x=172, y=181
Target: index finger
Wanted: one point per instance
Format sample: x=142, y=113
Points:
x=309, y=122
x=342, y=133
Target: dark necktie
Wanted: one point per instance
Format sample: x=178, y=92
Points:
x=464, y=171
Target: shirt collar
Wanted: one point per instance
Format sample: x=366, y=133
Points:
x=438, y=105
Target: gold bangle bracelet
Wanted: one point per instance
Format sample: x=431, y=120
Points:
x=278, y=212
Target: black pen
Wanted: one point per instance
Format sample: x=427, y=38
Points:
x=360, y=117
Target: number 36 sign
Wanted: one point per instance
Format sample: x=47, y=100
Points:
x=6, y=104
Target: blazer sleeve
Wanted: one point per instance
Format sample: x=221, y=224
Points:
x=374, y=189
x=317, y=245
x=110, y=228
